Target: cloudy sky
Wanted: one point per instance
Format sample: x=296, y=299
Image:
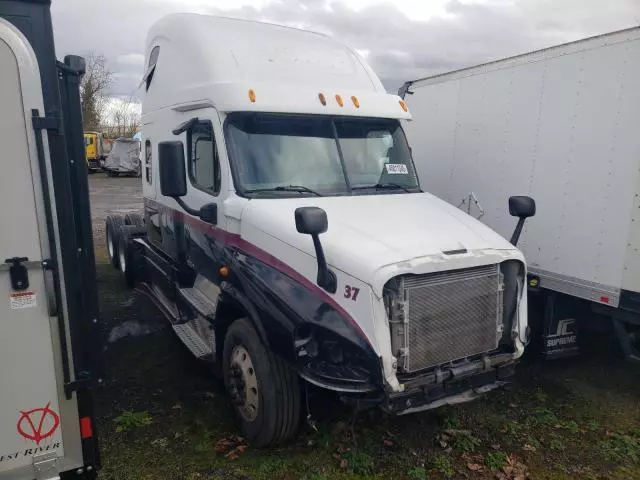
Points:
x=401, y=39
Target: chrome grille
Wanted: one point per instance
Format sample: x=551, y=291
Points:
x=452, y=315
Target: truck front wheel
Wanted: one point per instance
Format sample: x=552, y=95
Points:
x=264, y=390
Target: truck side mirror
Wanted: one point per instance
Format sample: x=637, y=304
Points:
x=173, y=175
x=522, y=207
x=313, y=221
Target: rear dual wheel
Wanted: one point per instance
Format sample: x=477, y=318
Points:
x=127, y=250
x=112, y=232
x=265, y=391
x=119, y=231
x=134, y=219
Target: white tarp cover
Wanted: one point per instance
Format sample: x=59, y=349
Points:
x=124, y=156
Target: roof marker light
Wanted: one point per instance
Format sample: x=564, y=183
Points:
x=355, y=101
x=252, y=96
x=323, y=99
x=339, y=100
x=404, y=105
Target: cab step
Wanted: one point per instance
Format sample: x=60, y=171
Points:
x=199, y=301
x=192, y=340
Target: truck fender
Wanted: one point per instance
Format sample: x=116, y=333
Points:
x=230, y=294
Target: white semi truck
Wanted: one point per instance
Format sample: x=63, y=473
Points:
x=286, y=236
x=48, y=312
x=560, y=124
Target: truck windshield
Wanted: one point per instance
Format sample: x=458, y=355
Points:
x=288, y=155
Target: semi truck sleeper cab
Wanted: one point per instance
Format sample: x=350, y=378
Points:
x=286, y=236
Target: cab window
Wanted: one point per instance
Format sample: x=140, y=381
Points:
x=204, y=164
x=147, y=161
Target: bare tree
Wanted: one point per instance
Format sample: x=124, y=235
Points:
x=93, y=90
x=123, y=118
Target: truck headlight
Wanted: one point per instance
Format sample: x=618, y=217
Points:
x=395, y=306
x=327, y=359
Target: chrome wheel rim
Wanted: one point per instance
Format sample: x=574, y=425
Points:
x=243, y=383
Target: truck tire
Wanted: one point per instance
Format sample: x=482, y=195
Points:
x=134, y=219
x=112, y=232
x=264, y=390
x=127, y=251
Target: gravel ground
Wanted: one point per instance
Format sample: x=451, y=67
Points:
x=119, y=195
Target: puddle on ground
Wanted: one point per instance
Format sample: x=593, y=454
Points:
x=132, y=328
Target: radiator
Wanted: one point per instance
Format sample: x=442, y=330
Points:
x=451, y=315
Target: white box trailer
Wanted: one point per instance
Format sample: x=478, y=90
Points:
x=561, y=125
x=48, y=301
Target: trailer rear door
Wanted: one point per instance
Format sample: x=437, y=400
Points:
x=31, y=422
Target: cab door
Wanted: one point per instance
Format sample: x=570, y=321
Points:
x=31, y=430
x=207, y=182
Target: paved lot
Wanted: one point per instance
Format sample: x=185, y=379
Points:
x=164, y=416
x=109, y=195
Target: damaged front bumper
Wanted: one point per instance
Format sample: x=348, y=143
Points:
x=425, y=396
x=443, y=386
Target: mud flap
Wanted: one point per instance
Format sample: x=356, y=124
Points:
x=560, y=333
x=627, y=338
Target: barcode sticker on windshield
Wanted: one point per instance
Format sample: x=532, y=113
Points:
x=397, y=168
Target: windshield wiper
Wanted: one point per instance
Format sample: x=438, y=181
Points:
x=285, y=188
x=382, y=186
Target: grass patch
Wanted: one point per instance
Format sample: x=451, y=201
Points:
x=360, y=463
x=571, y=426
x=418, y=473
x=593, y=425
x=443, y=465
x=541, y=417
x=465, y=442
x=315, y=476
x=273, y=466
x=495, y=460
x=557, y=444
x=619, y=447
x=129, y=420
x=449, y=418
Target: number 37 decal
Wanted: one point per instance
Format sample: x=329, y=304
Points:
x=351, y=292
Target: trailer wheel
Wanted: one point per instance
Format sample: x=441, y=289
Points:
x=134, y=219
x=264, y=390
x=112, y=230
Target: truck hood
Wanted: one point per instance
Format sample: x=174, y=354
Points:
x=367, y=233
